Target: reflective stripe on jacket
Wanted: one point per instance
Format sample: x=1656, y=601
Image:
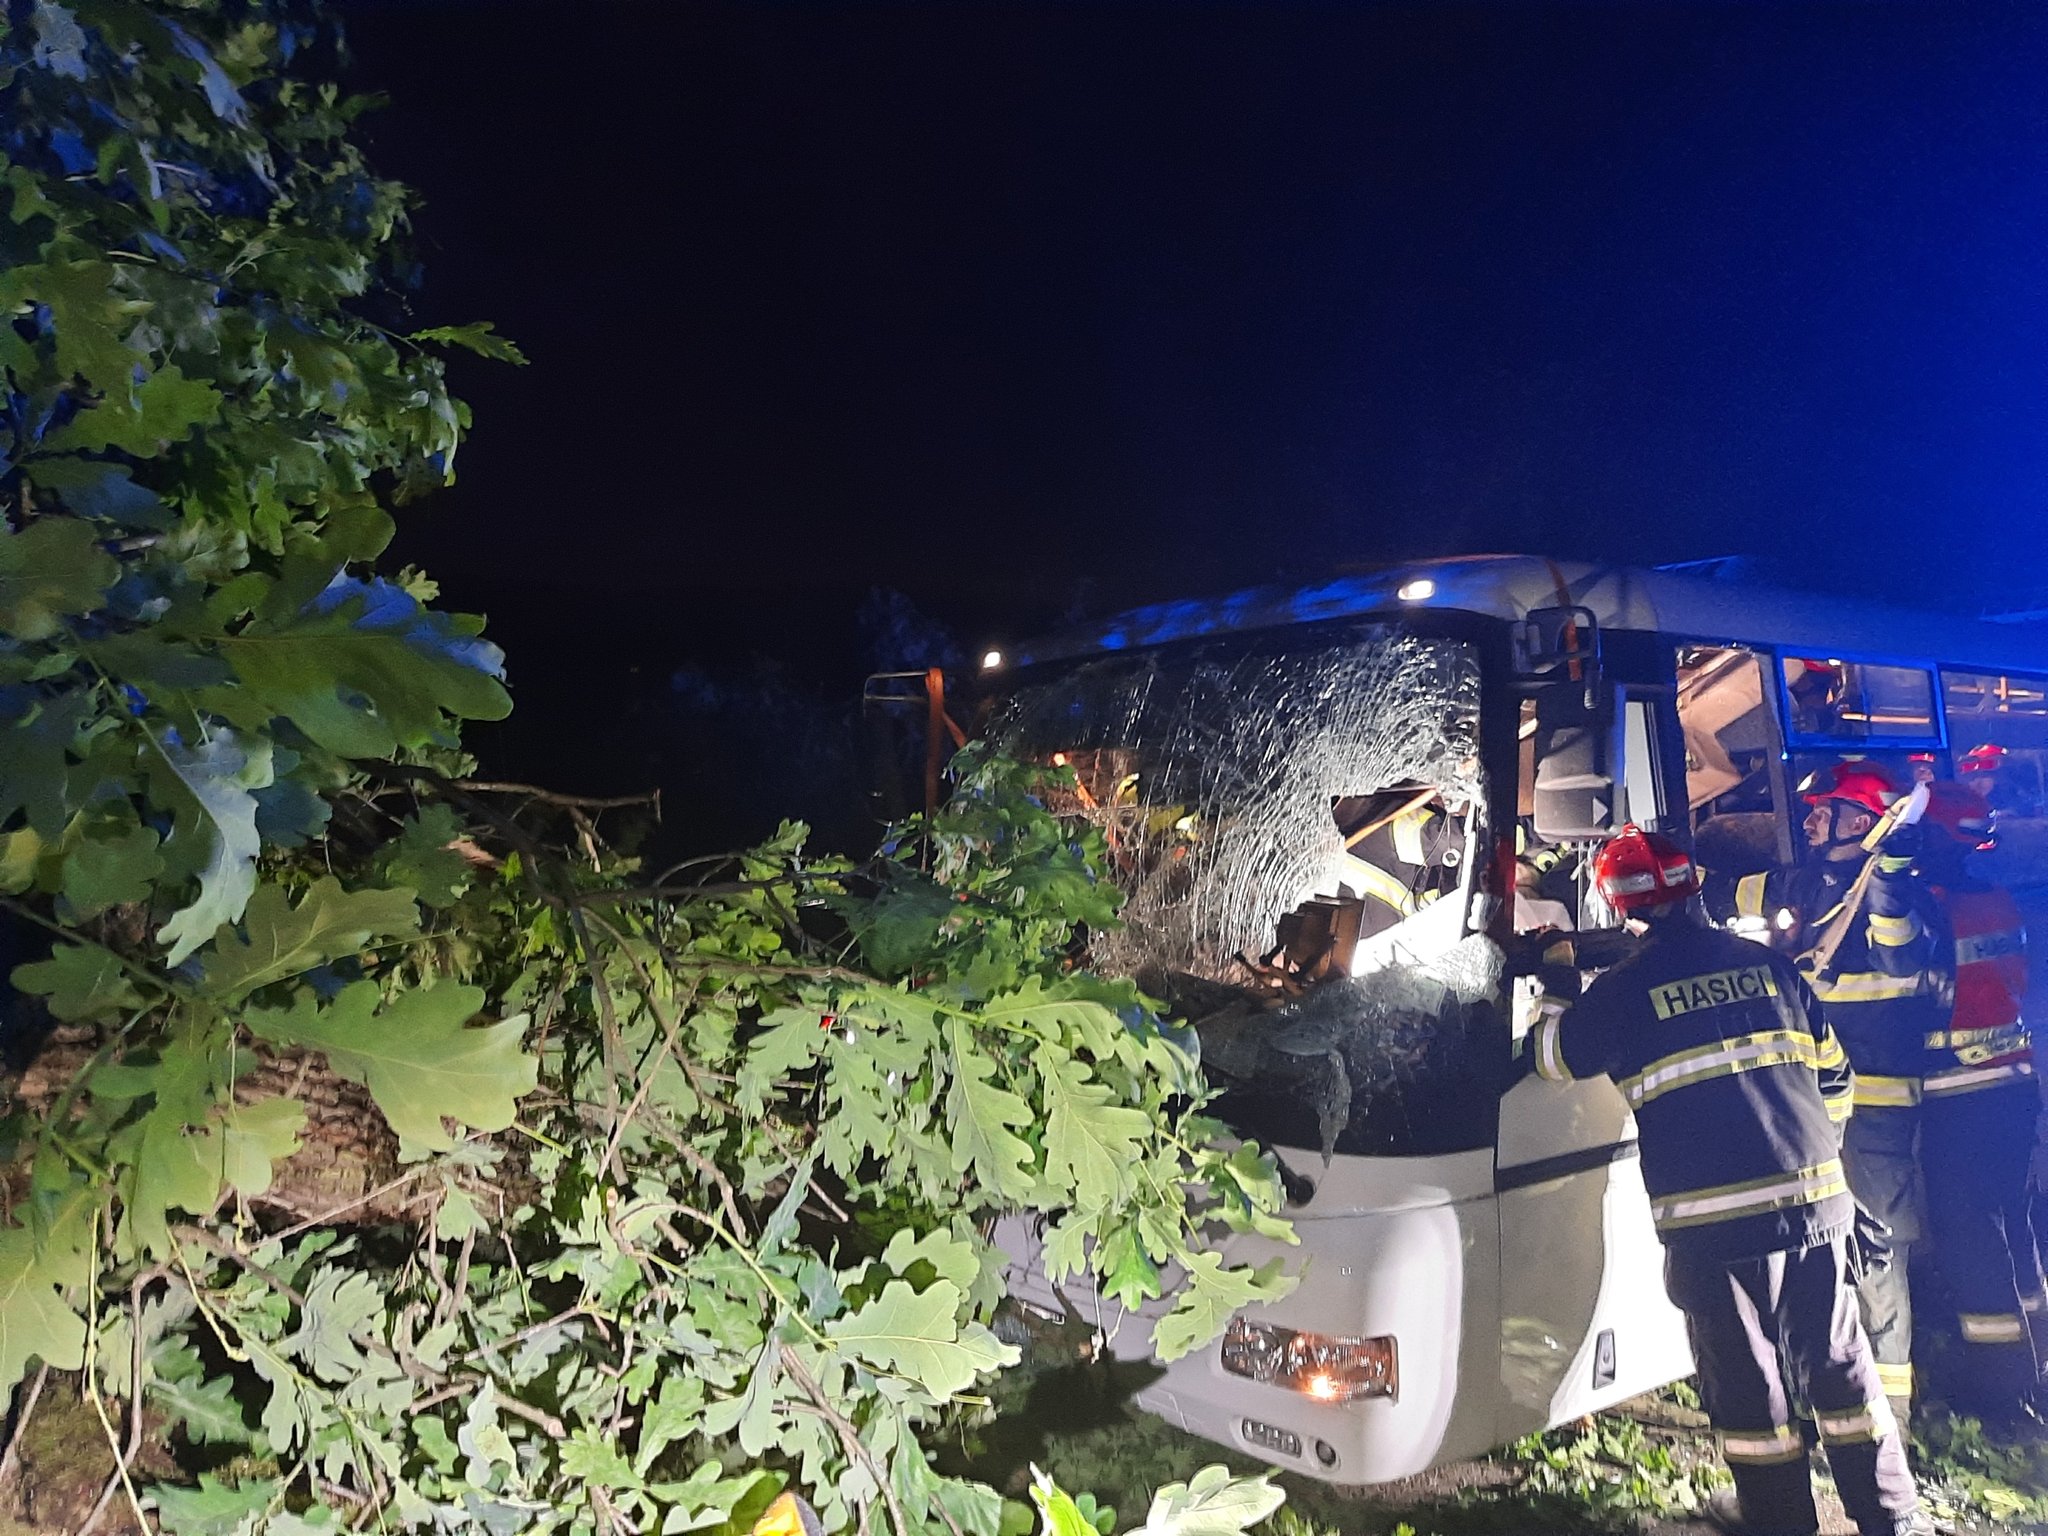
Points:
x=1985, y=1044
x=1886, y=985
x=1738, y=1085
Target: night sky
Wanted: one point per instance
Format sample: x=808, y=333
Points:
x=1025, y=310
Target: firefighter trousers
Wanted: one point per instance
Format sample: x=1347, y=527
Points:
x=1881, y=1154
x=1753, y=1321
x=1962, y=1159
x=1975, y=1150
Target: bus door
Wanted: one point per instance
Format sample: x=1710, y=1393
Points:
x=1585, y=1321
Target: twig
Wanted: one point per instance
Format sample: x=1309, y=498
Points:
x=849, y=1437
x=10, y=1460
x=135, y=1290
x=126, y=1456
x=136, y=971
x=242, y=1261
x=452, y=1300
x=624, y=893
x=328, y=1215
x=521, y=1336
x=670, y=1027
x=440, y=1395
x=528, y=1412
x=697, y=1074
x=727, y=1199
x=610, y=1514
x=419, y=1370
x=552, y=797
x=90, y=1385
x=608, y=1036
x=537, y=854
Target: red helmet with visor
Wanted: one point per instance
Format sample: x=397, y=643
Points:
x=1960, y=813
x=1860, y=783
x=1988, y=757
x=1635, y=870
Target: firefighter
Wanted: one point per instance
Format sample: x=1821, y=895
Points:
x=1399, y=860
x=1739, y=1089
x=1869, y=940
x=1978, y=1103
x=1978, y=770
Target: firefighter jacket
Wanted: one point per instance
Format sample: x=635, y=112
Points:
x=1886, y=988
x=1738, y=1085
x=1984, y=1043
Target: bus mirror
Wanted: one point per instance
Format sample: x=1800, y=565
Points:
x=1577, y=748
x=907, y=735
x=892, y=731
x=1558, y=645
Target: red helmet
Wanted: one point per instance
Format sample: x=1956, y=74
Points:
x=1635, y=869
x=1860, y=783
x=1987, y=758
x=1959, y=812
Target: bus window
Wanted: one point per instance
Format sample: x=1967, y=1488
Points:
x=1998, y=730
x=1732, y=788
x=1549, y=889
x=1998, y=739
x=1831, y=700
x=1642, y=801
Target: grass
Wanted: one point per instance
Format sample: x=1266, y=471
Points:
x=1614, y=1472
x=1971, y=1476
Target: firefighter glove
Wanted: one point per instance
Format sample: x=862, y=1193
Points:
x=1898, y=829
x=1870, y=1245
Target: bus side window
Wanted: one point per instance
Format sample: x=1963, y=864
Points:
x=1642, y=800
x=1733, y=788
x=1998, y=747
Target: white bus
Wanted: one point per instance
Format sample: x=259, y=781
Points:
x=1338, y=812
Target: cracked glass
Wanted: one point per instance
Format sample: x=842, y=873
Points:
x=1297, y=830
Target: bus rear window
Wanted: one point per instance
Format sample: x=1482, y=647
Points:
x=1831, y=700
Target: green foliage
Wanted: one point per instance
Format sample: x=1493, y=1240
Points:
x=1610, y=1469
x=416, y=1053
x=1969, y=1474
x=695, y=1177
x=1211, y=1503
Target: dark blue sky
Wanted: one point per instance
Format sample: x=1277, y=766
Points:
x=1010, y=306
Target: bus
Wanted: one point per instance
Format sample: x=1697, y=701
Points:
x=1352, y=822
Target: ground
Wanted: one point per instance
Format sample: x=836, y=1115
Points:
x=1643, y=1468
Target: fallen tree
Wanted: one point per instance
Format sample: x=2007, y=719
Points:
x=389, y=1152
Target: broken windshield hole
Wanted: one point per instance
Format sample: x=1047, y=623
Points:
x=1298, y=834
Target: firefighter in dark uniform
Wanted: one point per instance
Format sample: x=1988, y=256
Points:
x=1739, y=1090
x=1978, y=1103
x=1869, y=940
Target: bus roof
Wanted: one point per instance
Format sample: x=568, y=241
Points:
x=1619, y=597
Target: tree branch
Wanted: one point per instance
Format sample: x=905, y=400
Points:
x=553, y=797
x=849, y=1437
x=10, y=1461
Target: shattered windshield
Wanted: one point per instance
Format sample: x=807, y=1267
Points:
x=1297, y=831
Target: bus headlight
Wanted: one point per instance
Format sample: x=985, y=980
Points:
x=1330, y=1370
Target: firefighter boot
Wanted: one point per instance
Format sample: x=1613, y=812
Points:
x=1724, y=1511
